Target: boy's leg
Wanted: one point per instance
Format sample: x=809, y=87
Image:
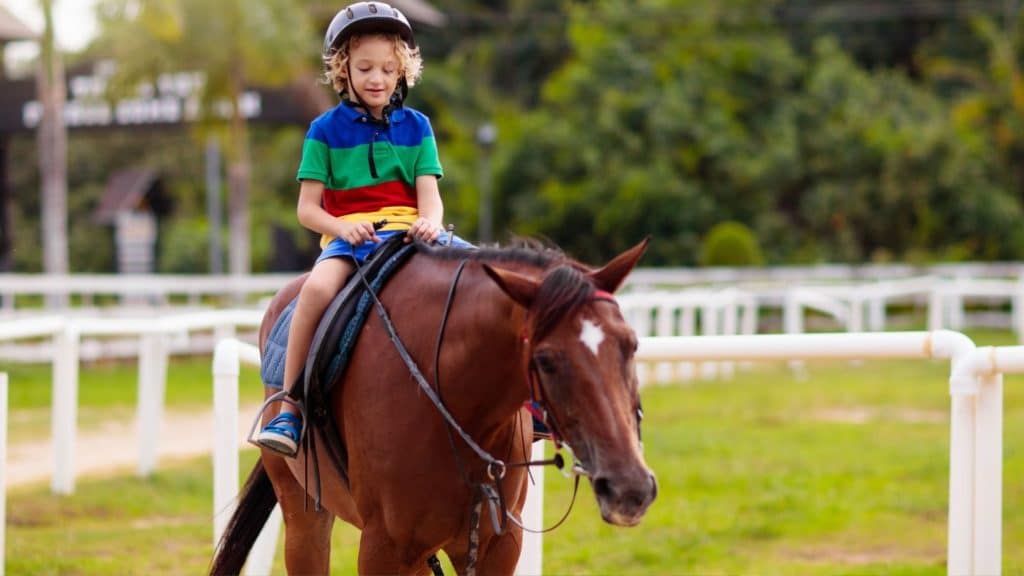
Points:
x=326, y=279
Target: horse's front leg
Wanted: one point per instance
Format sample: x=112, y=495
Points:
x=380, y=554
x=497, y=554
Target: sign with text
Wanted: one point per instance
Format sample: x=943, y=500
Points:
x=172, y=99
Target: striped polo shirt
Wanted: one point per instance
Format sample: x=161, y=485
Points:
x=368, y=169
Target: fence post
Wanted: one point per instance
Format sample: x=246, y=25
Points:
x=531, y=556
x=65, y=408
x=793, y=323
x=988, y=479
x=3, y=473
x=261, y=557
x=227, y=358
x=152, y=388
x=225, y=427
x=936, y=308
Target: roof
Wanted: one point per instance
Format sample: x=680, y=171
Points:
x=12, y=29
x=128, y=190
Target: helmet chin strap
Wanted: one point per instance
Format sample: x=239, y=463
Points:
x=397, y=99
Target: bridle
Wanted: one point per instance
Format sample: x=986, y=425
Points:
x=539, y=397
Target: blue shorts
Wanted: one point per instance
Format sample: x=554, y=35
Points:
x=338, y=248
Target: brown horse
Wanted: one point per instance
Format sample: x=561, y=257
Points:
x=520, y=323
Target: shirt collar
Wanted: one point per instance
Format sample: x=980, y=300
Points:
x=353, y=114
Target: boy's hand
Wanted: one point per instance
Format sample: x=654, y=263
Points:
x=355, y=233
x=424, y=230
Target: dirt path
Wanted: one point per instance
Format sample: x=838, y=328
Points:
x=115, y=447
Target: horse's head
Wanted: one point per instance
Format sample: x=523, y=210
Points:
x=581, y=360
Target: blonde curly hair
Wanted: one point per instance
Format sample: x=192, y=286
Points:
x=410, y=63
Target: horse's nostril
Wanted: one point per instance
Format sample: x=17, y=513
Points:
x=654, y=487
x=602, y=487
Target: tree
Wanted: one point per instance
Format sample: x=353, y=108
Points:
x=231, y=43
x=52, y=150
x=671, y=116
x=988, y=96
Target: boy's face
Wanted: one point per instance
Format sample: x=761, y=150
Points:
x=373, y=71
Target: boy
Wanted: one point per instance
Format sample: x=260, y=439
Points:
x=366, y=160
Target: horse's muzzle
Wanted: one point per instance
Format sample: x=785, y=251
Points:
x=624, y=498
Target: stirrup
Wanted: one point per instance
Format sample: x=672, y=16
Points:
x=281, y=396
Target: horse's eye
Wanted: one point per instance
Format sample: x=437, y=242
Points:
x=545, y=362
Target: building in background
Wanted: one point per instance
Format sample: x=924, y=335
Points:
x=11, y=30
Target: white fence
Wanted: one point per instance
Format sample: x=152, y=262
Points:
x=136, y=290
x=161, y=289
x=154, y=335
x=664, y=324
x=3, y=472
x=974, y=537
x=976, y=387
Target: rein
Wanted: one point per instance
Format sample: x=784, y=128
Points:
x=495, y=467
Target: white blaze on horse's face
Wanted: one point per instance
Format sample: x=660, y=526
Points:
x=591, y=335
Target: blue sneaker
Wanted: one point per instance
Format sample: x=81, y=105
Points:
x=282, y=434
x=540, y=429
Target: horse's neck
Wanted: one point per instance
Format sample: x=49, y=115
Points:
x=485, y=337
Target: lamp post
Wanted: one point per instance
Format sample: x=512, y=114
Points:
x=213, y=206
x=486, y=134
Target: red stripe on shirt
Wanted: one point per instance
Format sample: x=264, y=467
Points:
x=369, y=198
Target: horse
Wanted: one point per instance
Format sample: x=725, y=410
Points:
x=517, y=323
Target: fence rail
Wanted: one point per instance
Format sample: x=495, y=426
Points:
x=137, y=289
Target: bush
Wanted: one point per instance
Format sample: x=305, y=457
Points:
x=730, y=244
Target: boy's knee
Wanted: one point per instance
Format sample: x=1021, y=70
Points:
x=318, y=293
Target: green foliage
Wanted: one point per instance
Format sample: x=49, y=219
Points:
x=886, y=170
x=658, y=125
x=730, y=244
x=184, y=246
x=673, y=116
x=270, y=40
x=833, y=139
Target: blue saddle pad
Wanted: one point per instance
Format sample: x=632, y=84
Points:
x=339, y=328
x=272, y=363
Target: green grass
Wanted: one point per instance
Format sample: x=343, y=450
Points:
x=842, y=472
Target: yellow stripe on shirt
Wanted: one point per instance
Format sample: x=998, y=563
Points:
x=397, y=217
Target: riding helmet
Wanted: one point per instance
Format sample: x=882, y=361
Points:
x=366, y=18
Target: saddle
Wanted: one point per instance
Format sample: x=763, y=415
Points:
x=332, y=345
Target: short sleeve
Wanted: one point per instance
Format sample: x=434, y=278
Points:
x=316, y=158
x=427, y=161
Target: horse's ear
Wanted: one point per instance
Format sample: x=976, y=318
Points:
x=611, y=275
x=520, y=288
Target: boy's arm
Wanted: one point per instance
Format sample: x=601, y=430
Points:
x=312, y=215
x=428, y=202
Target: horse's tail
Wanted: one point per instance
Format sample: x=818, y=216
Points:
x=254, y=507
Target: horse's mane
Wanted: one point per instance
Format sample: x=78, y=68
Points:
x=564, y=287
x=530, y=251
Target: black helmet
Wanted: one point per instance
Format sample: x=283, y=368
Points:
x=366, y=18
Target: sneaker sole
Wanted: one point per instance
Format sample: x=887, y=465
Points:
x=284, y=447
